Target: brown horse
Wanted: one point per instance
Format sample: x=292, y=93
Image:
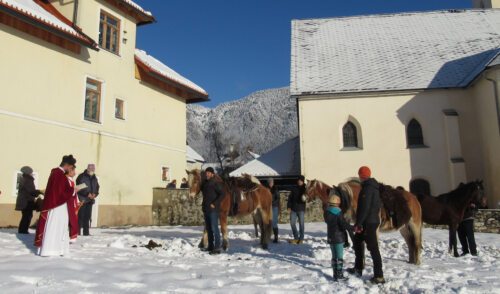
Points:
x=448, y=209
x=249, y=196
x=401, y=210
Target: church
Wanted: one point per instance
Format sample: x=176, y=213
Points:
x=415, y=96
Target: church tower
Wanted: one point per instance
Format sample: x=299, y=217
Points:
x=486, y=3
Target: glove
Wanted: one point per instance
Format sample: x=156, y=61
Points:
x=358, y=229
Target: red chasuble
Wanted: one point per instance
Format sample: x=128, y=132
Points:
x=58, y=192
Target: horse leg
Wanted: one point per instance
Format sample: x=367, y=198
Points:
x=256, y=227
x=204, y=240
x=416, y=230
x=266, y=228
x=407, y=235
x=453, y=240
x=224, y=231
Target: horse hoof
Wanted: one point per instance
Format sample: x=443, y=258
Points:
x=265, y=246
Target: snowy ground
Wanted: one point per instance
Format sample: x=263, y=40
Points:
x=107, y=262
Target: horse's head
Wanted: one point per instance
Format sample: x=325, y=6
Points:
x=479, y=199
x=195, y=178
x=475, y=192
x=311, y=190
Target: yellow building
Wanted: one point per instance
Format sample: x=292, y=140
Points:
x=73, y=82
x=412, y=95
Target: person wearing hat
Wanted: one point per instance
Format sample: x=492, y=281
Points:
x=52, y=234
x=337, y=228
x=213, y=193
x=87, y=197
x=296, y=207
x=367, y=223
x=26, y=196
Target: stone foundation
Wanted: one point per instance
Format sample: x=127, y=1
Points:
x=175, y=207
x=486, y=221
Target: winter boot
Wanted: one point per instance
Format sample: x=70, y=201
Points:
x=275, y=231
x=340, y=270
x=355, y=271
x=377, y=280
x=334, y=267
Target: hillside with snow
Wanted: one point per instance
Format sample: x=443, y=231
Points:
x=259, y=121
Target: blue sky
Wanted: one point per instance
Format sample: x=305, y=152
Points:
x=234, y=47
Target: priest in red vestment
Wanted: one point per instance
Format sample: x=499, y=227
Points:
x=52, y=235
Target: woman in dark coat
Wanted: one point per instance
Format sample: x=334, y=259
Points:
x=276, y=207
x=26, y=199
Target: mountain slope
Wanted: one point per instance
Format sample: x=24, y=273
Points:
x=259, y=121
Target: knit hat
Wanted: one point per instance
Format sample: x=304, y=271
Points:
x=364, y=172
x=26, y=170
x=210, y=170
x=334, y=200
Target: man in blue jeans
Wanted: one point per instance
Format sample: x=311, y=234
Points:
x=213, y=193
x=297, y=207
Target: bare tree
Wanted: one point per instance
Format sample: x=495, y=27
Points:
x=215, y=137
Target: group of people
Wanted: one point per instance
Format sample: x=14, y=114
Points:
x=365, y=228
x=66, y=208
x=173, y=184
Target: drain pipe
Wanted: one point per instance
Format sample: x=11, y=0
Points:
x=75, y=13
x=497, y=102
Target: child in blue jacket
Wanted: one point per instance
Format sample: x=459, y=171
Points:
x=337, y=226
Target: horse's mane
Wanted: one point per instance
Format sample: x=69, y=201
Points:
x=458, y=195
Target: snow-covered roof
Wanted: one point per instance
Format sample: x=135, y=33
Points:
x=193, y=156
x=283, y=160
x=138, y=7
x=166, y=72
x=36, y=12
x=439, y=49
x=254, y=155
x=495, y=61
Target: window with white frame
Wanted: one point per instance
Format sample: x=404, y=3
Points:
x=120, y=109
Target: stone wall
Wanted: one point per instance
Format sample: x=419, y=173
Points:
x=486, y=221
x=175, y=207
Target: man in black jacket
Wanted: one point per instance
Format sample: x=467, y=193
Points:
x=367, y=223
x=25, y=201
x=213, y=193
x=466, y=231
x=297, y=207
x=87, y=196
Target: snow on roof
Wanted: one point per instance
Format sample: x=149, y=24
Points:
x=166, y=71
x=254, y=155
x=283, y=160
x=138, y=7
x=35, y=11
x=495, y=61
x=438, y=49
x=193, y=156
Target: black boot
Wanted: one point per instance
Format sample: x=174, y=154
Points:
x=275, y=231
x=340, y=270
x=334, y=267
x=355, y=271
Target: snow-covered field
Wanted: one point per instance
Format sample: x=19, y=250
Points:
x=107, y=262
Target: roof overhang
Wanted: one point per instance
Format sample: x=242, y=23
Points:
x=29, y=24
x=149, y=75
x=140, y=15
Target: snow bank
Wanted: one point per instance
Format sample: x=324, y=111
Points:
x=114, y=261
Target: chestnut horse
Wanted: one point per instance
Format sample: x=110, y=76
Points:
x=255, y=200
x=448, y=209
x=400, y=211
